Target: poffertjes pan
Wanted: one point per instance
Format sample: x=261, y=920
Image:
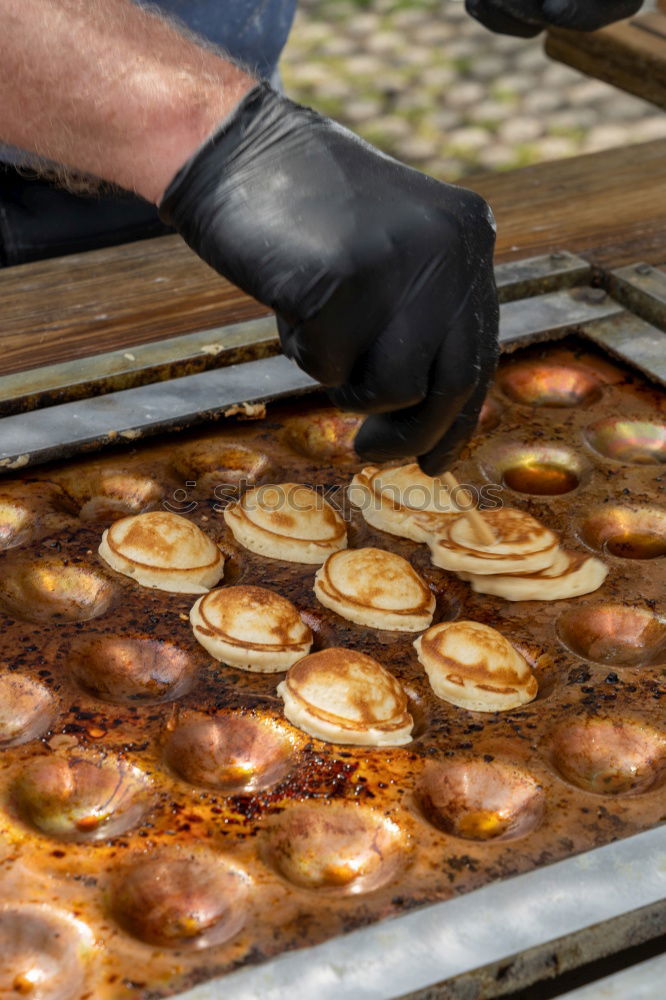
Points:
x=163, y=822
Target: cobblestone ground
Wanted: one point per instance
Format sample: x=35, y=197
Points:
x=426, y=83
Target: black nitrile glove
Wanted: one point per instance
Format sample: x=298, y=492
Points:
x=527, y=18
x=381, y=277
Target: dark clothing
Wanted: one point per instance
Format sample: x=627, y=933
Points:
x=38, y=219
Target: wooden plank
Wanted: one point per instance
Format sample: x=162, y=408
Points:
x=631, y=55
x=608, y=206
x=83, y=304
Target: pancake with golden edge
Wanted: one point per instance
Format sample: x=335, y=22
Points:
x=251, y=628
x=513, y=568
x=164, y=551
x=287, y=521
x=343, y=696
x=522, y=545
x=376, y=588
x=473, y=666
x=403, y=501
x=571, y=575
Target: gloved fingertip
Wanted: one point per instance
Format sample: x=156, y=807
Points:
x=435, y=463
x=370, y=451
x=376, y=442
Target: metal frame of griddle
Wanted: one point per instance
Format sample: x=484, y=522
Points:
x=485, y=943
x=507, y=934
x=542, y=298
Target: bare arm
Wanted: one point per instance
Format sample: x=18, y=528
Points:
x=109, y=89
x=381, y=278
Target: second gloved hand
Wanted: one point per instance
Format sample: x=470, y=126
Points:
x=381, y=277
x=527, y=18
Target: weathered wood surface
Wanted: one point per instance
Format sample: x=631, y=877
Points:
x=89, y=303
x=631, y=55
x=609, y=206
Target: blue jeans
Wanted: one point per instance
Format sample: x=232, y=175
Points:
x=254, y=32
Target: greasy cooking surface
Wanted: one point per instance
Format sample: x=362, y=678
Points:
x=158, y=812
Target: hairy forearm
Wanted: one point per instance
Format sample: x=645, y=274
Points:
x=106, y=88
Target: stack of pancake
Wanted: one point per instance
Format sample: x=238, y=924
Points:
x=525, y=562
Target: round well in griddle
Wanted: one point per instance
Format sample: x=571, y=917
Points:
x=533, y=469
x=609, y=756
x=626, y=532
x=82, y=797
x=131, y=670
x=236, y=754
x=616, y=635
x=480, y=800
x=215, y=462
x=323, y=434
x=41, y=952
x=633, y=442
x=181, y=900
x=26, y=507
x=27, y=709
x=104, y=493
x=15, y=522
x=335, y=845
x=50, y=589
x=535, y=383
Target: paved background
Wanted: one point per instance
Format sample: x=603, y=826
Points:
x=428, y=84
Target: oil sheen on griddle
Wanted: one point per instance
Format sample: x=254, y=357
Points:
x=160, y=821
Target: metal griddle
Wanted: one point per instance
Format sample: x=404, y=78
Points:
x=493, y=916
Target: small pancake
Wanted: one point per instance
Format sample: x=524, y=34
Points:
x=163, y=550
x=251, y=628
x=343, y=696
x=571, y=575
x=287, y=521
x=560, y=563
x=402, y=501
x=473, y=666
x=376, y=588
x=523, y=545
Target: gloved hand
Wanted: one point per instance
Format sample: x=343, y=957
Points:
x=527, y=18
x=381, y=277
